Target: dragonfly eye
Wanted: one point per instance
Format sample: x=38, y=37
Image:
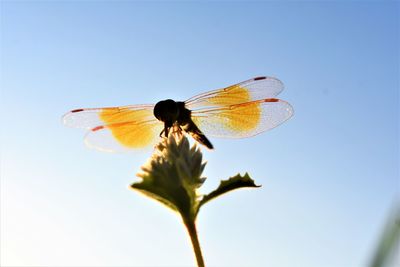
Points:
x=166, y=110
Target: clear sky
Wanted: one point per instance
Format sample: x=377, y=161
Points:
x=330, y=174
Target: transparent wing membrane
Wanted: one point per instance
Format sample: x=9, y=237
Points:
x=89, y=118
x=116, y=128
x=247, y=91
x=243, y=120
x=124, y=136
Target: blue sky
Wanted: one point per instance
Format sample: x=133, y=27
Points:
x=330, y=174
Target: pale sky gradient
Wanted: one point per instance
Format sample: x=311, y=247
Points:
x=330, y=174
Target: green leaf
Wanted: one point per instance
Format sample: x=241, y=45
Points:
x=232, y=183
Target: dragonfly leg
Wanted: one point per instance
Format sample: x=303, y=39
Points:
x=166, y=130
x=162, y=132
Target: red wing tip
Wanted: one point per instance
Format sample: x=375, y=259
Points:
x=260, y=78
x=271, y=100
x=77, y=110
x=97, y=128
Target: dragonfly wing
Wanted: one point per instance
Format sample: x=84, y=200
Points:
x=89, y=118
x=124, y=136
x=116, y=128
x=247, y=91
x=243, y=120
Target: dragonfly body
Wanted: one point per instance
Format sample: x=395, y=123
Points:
x=170, y=112
x=241, y=110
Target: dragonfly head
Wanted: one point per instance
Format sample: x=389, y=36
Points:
x=166, y=111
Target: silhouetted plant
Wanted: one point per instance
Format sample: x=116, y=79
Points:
x=173, y=177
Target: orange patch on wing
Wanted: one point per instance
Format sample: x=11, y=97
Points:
x=238, y=117
x=117, y=115
x=244, y=117
x=231, y=95
x=127, y=126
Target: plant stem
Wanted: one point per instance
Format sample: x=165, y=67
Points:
x=191, y=228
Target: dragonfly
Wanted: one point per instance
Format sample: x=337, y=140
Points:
x=241, y=110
